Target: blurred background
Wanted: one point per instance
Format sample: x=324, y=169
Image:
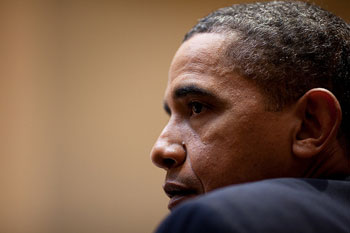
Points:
x=81, y=88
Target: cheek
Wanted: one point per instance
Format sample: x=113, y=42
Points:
x=217, y=154
x=236, y=151
x=217, y=167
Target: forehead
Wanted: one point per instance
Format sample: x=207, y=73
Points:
x=200, y=62
x=198, y=54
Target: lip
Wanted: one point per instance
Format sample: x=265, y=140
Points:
x=178, y=193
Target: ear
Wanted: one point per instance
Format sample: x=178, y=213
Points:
x=320, y=117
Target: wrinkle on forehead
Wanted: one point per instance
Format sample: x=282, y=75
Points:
x=203, y=53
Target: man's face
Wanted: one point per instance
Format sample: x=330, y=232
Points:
x=219, y=132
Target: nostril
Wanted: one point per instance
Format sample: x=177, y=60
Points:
x=168, y=162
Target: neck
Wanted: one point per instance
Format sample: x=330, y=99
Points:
x=332, y=163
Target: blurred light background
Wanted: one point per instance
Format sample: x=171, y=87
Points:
x=81, y=87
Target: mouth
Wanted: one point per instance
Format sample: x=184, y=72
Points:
x=178, y=193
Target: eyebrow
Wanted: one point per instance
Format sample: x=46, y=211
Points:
x=184, y=91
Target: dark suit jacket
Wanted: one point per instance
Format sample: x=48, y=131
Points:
x=277, y=205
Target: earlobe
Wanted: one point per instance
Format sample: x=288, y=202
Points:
x=320, y=117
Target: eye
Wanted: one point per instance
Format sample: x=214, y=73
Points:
x=196, y=107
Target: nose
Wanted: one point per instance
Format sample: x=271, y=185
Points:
x=169, y=151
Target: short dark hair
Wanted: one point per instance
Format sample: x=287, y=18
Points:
x=286, y=48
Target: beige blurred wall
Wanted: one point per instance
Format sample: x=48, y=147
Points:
x=81, y=86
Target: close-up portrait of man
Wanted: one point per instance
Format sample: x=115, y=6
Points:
x=186, y=116
x=258, y=98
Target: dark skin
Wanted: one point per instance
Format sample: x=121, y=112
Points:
x=220, y=132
